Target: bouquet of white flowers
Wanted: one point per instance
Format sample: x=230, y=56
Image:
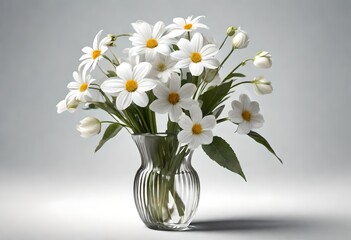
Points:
x=169, y=70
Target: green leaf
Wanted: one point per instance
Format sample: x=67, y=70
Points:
x=218, y=111
x=110, y=132
x=258, y=138
x=221, y=152
x=213, y=97
x=111, y=74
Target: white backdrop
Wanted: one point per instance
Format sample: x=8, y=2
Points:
x=52, y=185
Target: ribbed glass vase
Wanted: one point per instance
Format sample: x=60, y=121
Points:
x=166, y=186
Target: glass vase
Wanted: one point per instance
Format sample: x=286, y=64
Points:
x=166, y=186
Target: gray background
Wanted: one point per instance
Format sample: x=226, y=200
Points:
x=52, y=185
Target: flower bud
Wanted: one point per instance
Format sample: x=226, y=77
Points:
x=240, y=39
x=63, y=106
x=263, y=60
x=231, y=30
x=262, y=86
x=89, y=126
x=110, y=40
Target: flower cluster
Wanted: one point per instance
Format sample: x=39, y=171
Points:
x=169, y=69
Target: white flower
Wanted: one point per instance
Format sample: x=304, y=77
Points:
x=79, y=89
x=245, y=114
x=240, y=39
x=131, y=85
x=163, y=67
x=196, y=130
x=89, y=126
x=150, y=40
x=93, y=55
x=63, y=106
x=262, y=86
x=263, y=60
x=173, y=98
x=181, y=25
x=110, y=40
x=195, y=55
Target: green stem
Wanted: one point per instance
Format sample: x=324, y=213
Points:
x=225, y=39
x=243, y=63
x=235, y=85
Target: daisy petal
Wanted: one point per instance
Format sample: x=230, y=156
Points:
x=245, y=100
x=161, y=91
x=184, y=137
x=210, y=63
x=160, y=106
x=141, y=70
x=196, y=68
x=124, y=71
x=175, y=113
x=185, y=46
x=196, y=114
x=140, y=98
x=208, y=122
x=113, y=86
x=206, y=137
x=185, y=122
x=96, y=39
x=124, y=100
x=187, y=90
x=209, y=50
x=244, y=127
x=197, y=42
x=146, y=84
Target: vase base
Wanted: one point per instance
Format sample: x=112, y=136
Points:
x=168, y=227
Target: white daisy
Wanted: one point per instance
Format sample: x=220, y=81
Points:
x=181, y=25
x=163, y=67
x=150, y=40
x=79, y=89
x=196, y=130
x=173, y=98
x=131, y=85
x=245, y=114
x=93, y=55
x=195, y=55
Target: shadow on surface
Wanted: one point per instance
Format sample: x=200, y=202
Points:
x=252, y=224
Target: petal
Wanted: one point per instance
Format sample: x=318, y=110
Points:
x=206, y=137
x=196, y=114
x=184, y=136
x=179, y=21
x=146, y=84
x=210, y=63
x=113, y=85
x=197, y=42
x=141, y=70
x=195, y=142
x=96, y=39
x=208, y=122
x=174, y=84
x=187, y=103
x=124, y=99
x=187, y=90
x=185, y=46
x=179, y=55
x=158, y=30
x=245, y=101
x=161, y=91
x=73, y=86
x=140, y=98
x=77, y=77
x=163, y=49
x=175, y=113
x=237, y=105
x=235, y=116
x=196, y=68
x=244, y=127
x=185, y=122
x=183, y=63
x=124, y=71
x=150, y=54
x=209, y=50
x=254, y=107
x=160, y=106
x=87, y=50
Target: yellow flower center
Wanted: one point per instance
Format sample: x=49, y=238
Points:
x=161, y=67
x=196, y=57
x=188, y=26
x=83, y=87
x=246, y=115
x=197, y=129
x=131, y=85
x=95, y=54
x=173, y=98
x=151, y=43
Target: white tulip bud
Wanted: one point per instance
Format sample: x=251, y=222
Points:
x=63, y=106
x=240, y=39
x=263, y=60
x=89, y=126
x=262, y=86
